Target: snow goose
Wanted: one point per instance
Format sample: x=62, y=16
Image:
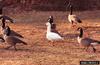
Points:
x=52, y=36
x=85, y=41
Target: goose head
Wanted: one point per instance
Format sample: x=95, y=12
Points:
x=50, y=19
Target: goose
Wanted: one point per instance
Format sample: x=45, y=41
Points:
x=6, y=29
x=6, y=18
x=85, y=41
x=52, y=36
x=12, y=41
x=72, y=18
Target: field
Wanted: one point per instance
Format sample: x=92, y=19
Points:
x=40, y=51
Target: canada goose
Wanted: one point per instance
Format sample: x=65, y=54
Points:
x=73, y=18
x=6, y=29
x=86, y=42
x=12, y=40
x=5, y=18
x=52, y=36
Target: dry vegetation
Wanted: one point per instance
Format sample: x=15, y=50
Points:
x=41, y=52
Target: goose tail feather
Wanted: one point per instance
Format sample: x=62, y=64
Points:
x=79, y=21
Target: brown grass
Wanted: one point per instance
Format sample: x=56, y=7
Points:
x=41, y=52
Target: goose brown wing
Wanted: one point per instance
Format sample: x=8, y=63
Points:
x=15, y=40
x=88, y=41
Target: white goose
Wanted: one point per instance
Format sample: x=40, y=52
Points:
x=52, y=36
x=86, y=42
x=73, y=18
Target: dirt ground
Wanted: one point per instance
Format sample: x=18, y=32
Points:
x=40, y=51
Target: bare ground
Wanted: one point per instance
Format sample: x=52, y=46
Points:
x=40, y=51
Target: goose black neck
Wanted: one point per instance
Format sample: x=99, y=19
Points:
x=51, y=20
x=1, y=10
x=3, y=23
x=71, y=10
x=8, y=31
x=81, y=33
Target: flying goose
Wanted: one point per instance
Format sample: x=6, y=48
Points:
x=52, y=36
x=85, y=41
x=12, y=41
x=72, y=18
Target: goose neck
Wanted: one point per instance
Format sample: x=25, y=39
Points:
x=81, y=33
x=71, y=10
x=48, y=29
x=3, y=24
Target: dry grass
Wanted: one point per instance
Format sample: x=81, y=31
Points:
x=41, y=52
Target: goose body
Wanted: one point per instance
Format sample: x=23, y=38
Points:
x=52, y=36
x=12, y=41
x=86, y=42
x=72, y=17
